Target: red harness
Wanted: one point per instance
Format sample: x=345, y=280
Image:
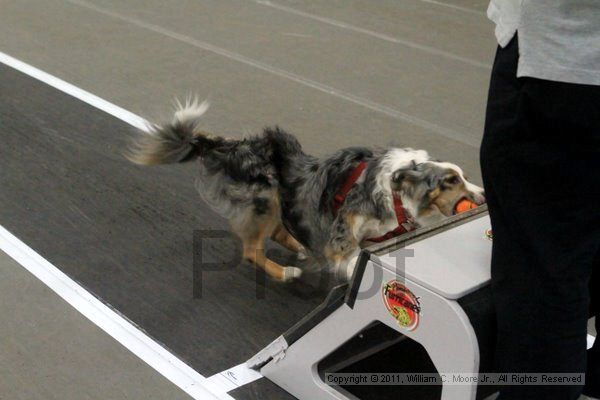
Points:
x=341, y=194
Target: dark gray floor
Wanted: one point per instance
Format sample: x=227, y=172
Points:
x=126, y=233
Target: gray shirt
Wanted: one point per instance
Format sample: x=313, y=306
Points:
x=559, y=40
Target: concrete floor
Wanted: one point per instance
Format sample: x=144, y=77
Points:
x=49, y=351
x=409, y=73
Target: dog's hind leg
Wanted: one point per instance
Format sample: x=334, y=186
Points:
x=253, y=231
x=254, y=252
x=284, y=238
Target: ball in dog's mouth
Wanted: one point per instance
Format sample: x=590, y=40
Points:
x=463, y=205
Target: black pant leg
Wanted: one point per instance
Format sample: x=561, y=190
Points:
x=593, y=355
x=539, y=161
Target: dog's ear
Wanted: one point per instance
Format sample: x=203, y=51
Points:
x=398, y=176
x=410, y=172
x=433, y=180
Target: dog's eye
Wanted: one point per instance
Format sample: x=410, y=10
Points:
x=453, y=180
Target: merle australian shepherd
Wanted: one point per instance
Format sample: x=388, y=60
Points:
x=268, y=187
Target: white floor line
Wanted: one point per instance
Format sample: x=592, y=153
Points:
x=368, y=32
x=380, y=108
x=454, y=7
x=235, y=377
x=155, y=355
x=111, y=322
x=76, y=92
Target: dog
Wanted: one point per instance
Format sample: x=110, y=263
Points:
x=268, y=187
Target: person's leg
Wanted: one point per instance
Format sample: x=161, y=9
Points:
x=540, y=169
x=592, y=378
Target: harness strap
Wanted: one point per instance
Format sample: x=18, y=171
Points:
x=342, y=193
x=400, y=229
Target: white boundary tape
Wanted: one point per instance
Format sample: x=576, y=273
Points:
x=100, y=314
x=108, y=320
x=87, y=97
x=235, y=377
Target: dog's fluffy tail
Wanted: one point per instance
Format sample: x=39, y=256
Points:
x=180, y=141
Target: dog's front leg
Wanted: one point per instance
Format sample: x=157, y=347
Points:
x=343, y=263
x=348, y=265
x=343, y=248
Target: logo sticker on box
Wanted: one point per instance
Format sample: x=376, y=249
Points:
x=402, y=304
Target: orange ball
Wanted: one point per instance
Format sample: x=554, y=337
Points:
x=464, y=205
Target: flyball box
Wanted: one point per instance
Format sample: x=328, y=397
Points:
x=418, y=303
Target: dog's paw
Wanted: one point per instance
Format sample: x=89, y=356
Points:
x=350, y=269
x=302, y=254
x=291, y=273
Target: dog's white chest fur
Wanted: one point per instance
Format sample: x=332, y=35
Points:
x=365, y=227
